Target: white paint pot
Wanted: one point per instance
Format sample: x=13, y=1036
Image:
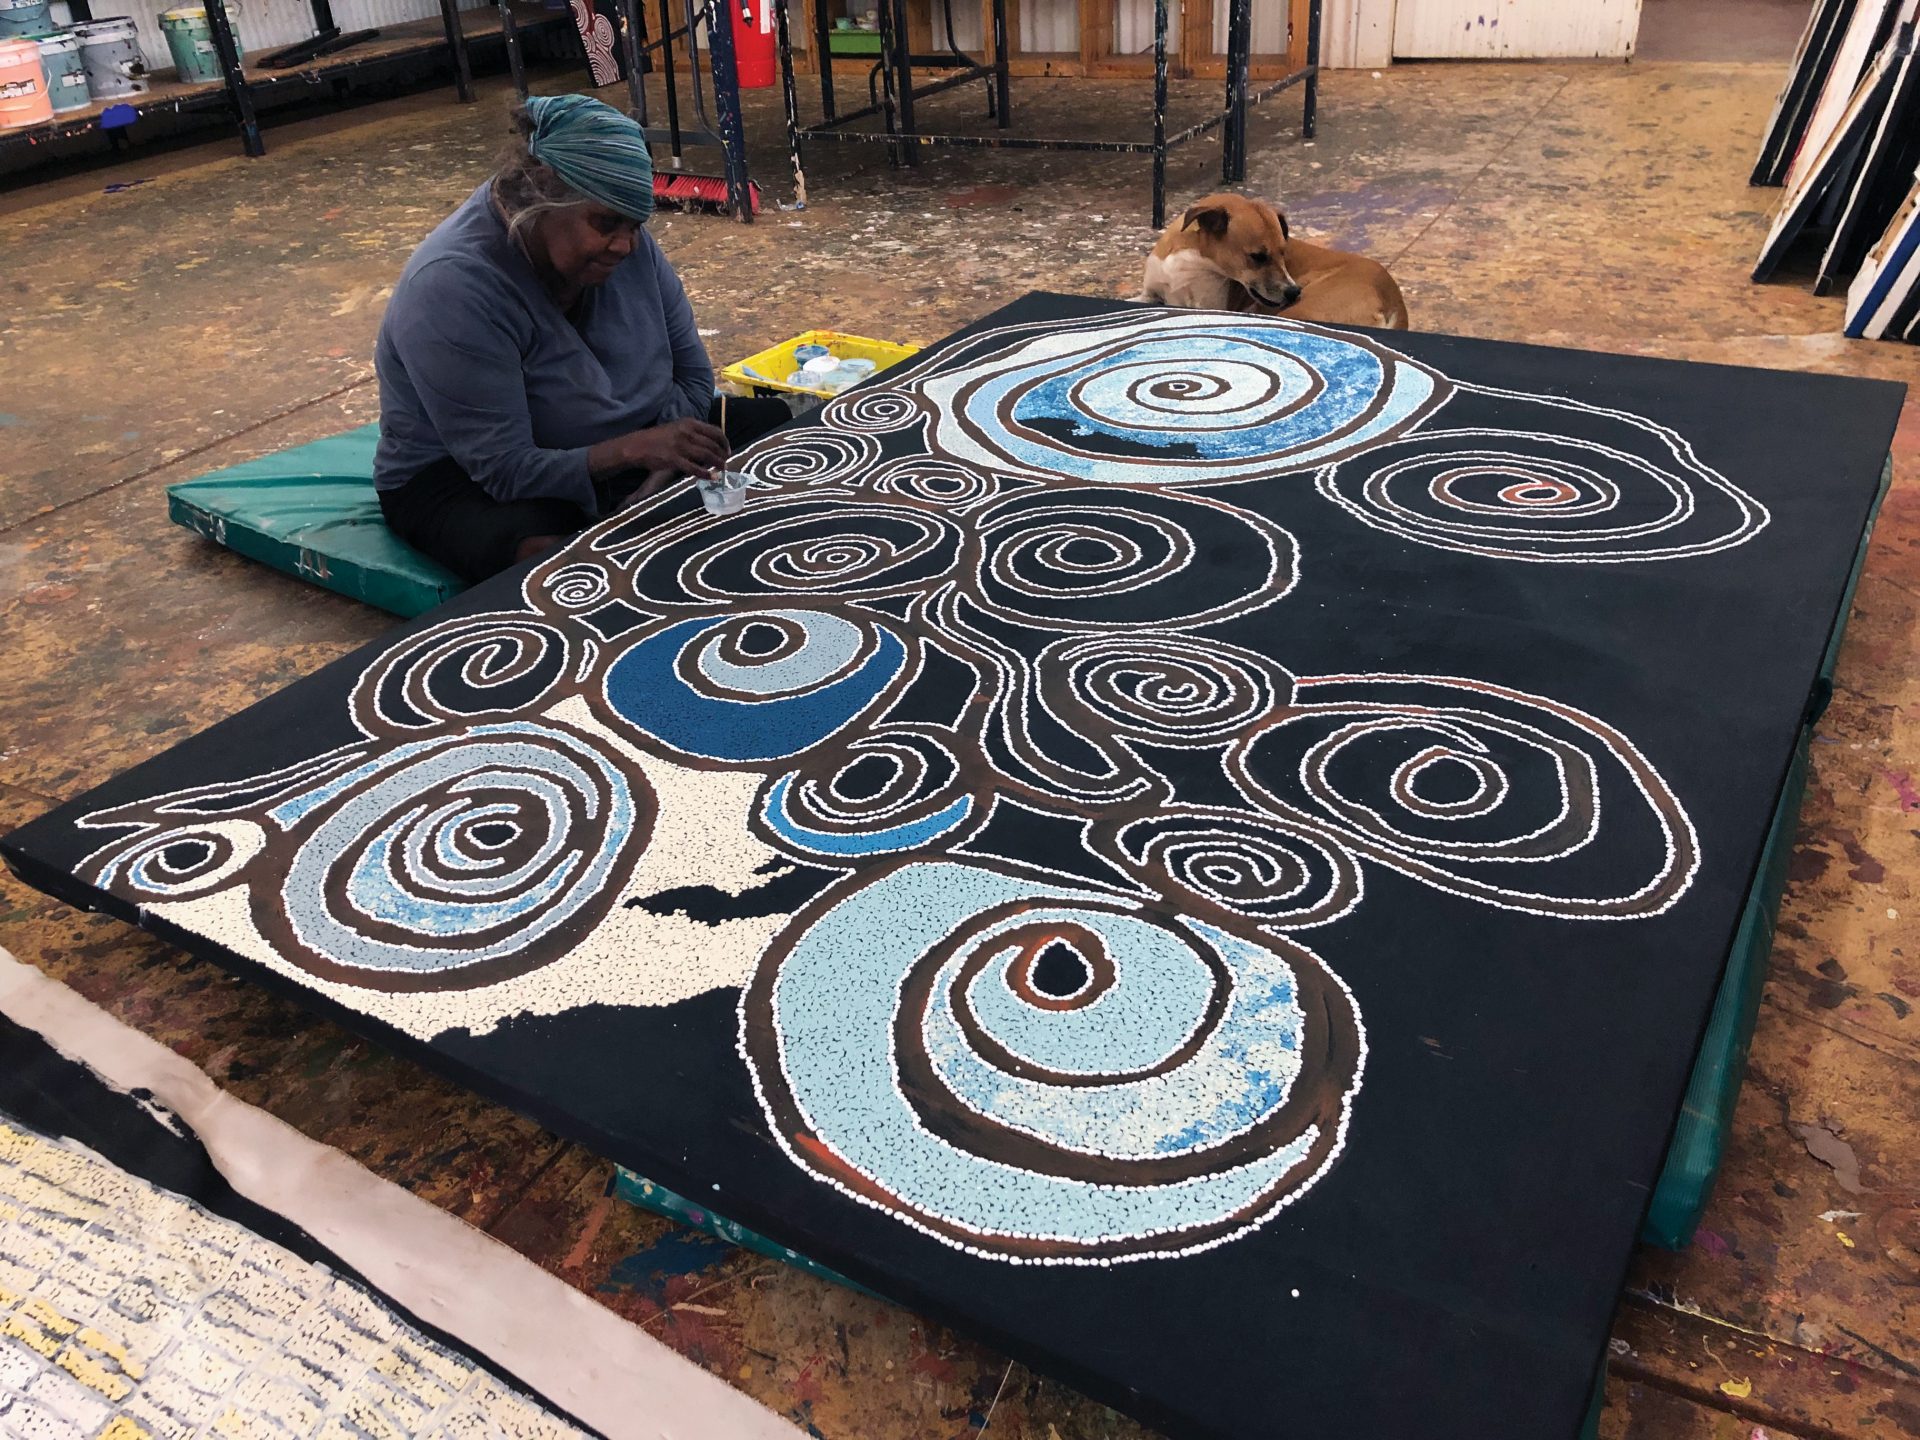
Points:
x=110, y=51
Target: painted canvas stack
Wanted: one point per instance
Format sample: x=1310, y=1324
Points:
x=1844, y=142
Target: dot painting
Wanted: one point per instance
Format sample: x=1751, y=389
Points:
x=1136, y=1056
x=1195, y=847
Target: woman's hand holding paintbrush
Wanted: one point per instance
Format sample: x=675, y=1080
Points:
x=682, y=447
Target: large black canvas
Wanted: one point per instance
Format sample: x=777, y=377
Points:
x=1204, y=616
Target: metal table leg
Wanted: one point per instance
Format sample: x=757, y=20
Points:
x=1310, y=103
x=1233, y=135
x=888, y=75
x=726, y=108
x=457, y=41
x=902, y=57
x=630, y=46
x=1159, y=113
x=784, y=42
x=1000, y=107
x=516, y=62
x=823, y=55
x=239, y=93
x=667, y=75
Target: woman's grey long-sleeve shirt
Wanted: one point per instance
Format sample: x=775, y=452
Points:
x=476, y=361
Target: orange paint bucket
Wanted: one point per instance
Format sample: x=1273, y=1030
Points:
x=23, y=86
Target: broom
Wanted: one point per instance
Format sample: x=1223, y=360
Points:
x=684, y=191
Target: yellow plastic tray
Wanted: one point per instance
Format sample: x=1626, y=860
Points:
x=766, y=373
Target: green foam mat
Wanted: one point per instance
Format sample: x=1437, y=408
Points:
x=636, y=1189
x=312, y=512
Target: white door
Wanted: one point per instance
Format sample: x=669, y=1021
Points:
x=1514, y=29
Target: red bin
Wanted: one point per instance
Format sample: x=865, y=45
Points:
x=753, y=42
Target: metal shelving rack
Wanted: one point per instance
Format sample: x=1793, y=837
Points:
x=239, y=87
x=899, y=94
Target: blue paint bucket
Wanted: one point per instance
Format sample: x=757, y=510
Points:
x=24, y=18
x=66, y=76
x=190, y=38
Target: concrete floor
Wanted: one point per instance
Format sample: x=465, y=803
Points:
x=228, y=308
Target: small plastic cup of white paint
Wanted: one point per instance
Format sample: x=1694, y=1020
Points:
x=724, y=492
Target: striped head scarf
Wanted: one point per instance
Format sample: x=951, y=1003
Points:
x=594, y=148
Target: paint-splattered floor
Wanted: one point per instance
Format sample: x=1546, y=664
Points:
x=228, y=307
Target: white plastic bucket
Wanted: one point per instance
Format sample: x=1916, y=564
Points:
x=110, y=51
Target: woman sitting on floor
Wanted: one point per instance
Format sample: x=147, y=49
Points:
x=539, y=364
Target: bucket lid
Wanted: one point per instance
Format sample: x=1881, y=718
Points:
x=180, y=15
x=111, y=25
x=58, y=41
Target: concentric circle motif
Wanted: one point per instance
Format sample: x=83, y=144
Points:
x=462, y=669
x=180, y=863
x=1288, y=877
x=578, y=585
x=753, y=686
x=897, y=788
x=870, y=410
x=797, y=549
x=1168, y=689
x=934, y=480
x=1176, y=399
x=455, y=861
x=1035, y=1073
x=1511, y=799
x=1111, y=560
x=1557, y=500
x=799, y=458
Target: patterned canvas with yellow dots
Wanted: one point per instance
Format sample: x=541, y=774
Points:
x=1164, y=837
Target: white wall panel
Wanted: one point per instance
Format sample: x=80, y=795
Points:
x=969, y=27
x=1269, y=29
x=1514, y=29
x=1133, y=27
x=1356, y=34
x=1050, y=26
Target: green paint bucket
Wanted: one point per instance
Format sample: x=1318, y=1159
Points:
x=28, y=19
x=190, y=38
x=66, y=75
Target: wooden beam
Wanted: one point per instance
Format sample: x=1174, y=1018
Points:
x=1096, y=32
x=1195, y=32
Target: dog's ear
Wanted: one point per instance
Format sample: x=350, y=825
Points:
x=1210, y=218
x=1281, y=216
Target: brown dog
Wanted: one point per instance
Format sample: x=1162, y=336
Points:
x=1231, y=253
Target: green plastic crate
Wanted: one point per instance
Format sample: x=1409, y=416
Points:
x=853, y=42
x=312, y=512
